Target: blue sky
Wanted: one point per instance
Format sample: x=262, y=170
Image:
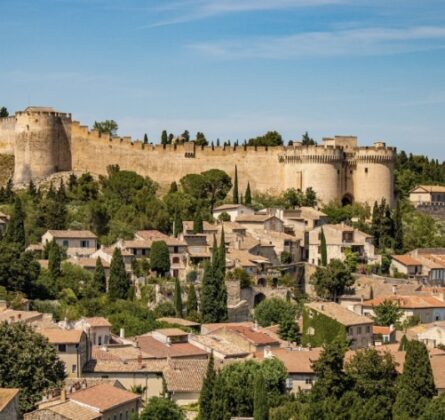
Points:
x=234, y=68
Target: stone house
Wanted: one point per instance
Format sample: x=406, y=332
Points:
x=324, y=321
x=406, y=265
x=433, y=264
x=9, y=403
x=72, y=348
x=98, y=329
x=427, y=195
x=76, y=242
x=339, y=238
x=233, y=210
x=253, y=222
x=383, y=335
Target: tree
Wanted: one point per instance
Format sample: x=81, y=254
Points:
x=32, y=190
x=159, y=408
x=72, y=182
x=331, y=281
x=173, y=187
x=387, y=313
x=403, y=346
x=192, y=300
x=201, y=139
x=61, y=192
x=198, y=223
x=307, y=141
x=177, y=228
x=310, y=198
x=248, y=196
x=54, y=260
x=351, y=259
x=145, y=138
x=271, y=138
x=207, y=391
x=235, y=198
x=273, y=310
x=164, y=137
x=416, y=384
x=435, y=409
x=260, y=408
x=178, y=298
x=218, y=184
x=4, y=112
x=160, y=258
x=118, y=283
x=208, y=295
x=398, y=228
x=99, y=279
x=324, y=249
x=15, y=230
x=28, y=362
x=106, y=127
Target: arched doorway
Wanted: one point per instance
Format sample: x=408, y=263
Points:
x=274, y=282
x=261, y=282
x=259, y=297
x=347, y=200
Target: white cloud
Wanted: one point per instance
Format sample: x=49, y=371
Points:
x=367, y=41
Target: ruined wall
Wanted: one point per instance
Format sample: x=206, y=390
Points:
x=7, y=135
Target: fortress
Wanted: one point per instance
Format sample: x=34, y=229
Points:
x=44, y=141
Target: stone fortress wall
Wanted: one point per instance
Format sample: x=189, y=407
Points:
x=45, y=141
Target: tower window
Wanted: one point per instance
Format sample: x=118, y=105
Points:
x=366, y=170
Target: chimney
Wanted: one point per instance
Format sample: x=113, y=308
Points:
x=122, y=333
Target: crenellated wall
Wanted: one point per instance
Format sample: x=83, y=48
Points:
x=44, y=141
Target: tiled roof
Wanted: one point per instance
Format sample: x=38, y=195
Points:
x=438, y=366
x=295, y=360
x=98, y=321
x=178, y=321
x=188, y=226
x=228, y=207
x=72, y=234
x=118, y=366
x=255, y=337
x=220, y=345
x=74, y=411
x=103, y=397
x=61, y=336
x=185, y=375
x=407, y=302
x=151, y=346
x=430, y=188
x=245, y=258
x=171, y=332
x=376, y=329
x=339, y=313
x=12, y=315
x=406, y=260
x=208, y=328
x=6, y=396
x=253, y=218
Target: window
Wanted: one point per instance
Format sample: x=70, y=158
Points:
x=84, y=244
x=175, y=249
x=359, y=330
x=366, y=170
x=94, y=338
x=62, y=348
x=308, y=381
x=66, y=243
x=368, y=329
x=175, y=260
x=73, y=368
x=99, y=340
x=350, y=331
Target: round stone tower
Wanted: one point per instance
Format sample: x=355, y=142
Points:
x=42, y=143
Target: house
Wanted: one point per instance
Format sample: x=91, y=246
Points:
x=383, y=335
x=98, y=329
x=76, y=242
x=233, y=210
x=339, y=239
x=323, y=321
x=222, y=348
x=432, y=334
x=253, y=222
x=180, y=322
x=105, y=253
x=207, y=228
x=406, y=265
x=427, y=195
x=280, y=243
x=103, y=401
x=433, y=264
x=426, y=308
x=13, y=316
x=9, y=403
x=72, y=348
x=253, y=264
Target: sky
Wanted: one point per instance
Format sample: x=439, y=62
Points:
x=234, y=69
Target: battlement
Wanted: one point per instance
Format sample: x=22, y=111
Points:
x=42, y=110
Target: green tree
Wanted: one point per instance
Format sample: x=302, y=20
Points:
x=61, y=192
x=331, y=281
x=208, y=295
x=145, y=138
x=201, y=139
x=164, y=137
x=198, y=223
x=351, y=259
x=403, y=345
x=87, y=188
x=72, y=182
x=28, y=362
x=106, y=127
x=177, y=227
x=260, y=406
x=272, y=311
x=306, y=140
x=4, y=112
x=160, y=258
x=324, y=249
x=207, y=391
x=54, y=261
x=178, y=298
x=173, y=187
x=192, y=300
x=235, y=198
x=15, y=230
x=387, y=313
x=99, y=279
x=118, y=283
x=398, y=228
x=248, y=195
x=416, y=384
x=159, y=408
x=271, y=138
x=435, y=409
x=32, y=190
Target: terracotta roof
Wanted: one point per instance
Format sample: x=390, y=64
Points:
x=188, y=226
x=73, y=234
x=438, y=366
x=171, y=332
x=221, y=345
x=228, y=207
x=253, y=218
x=103, y=397
x=110, y=250
x=339, y=313
x=406, y=260
x=255, y=337
x=245, y=258
x=98, y=321
x=296, y=360
x=6, y=396
x=185, y=375
x=12, y=315
x=376, y=329
x=430, y=188
x=61, y=336
x=154, y=347
x=117, y=366
x=72, y=410
x=178, y=321
x=208, y=328
x=407, y=302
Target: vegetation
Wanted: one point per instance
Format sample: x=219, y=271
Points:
x=159, y=408
x=160, y=258
x=331, y=281
x=271, y=138
x=119, y=282
x=106, y=127
x=387, y=313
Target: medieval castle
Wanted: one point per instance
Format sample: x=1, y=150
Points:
x=44, y=141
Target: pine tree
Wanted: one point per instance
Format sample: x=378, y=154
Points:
x=54, y=261
x=118, y=283
x=15, y=230
x=207, y=391
x=416, y=384
x=235, y=198
x=248, y=196
x=164, y=137
x=260, y=409
x=178, y=298
x=398, y=228
x=323, y=249
x=222, y=252
x=192, y=300
x=145, y=138
x=99, y=278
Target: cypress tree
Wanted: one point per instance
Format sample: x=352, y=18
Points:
x=260, y=409
x=72, y=182
x=207, y=391
x=99, y=278
x=15, y=230
x=198, y=224
x=416, y=384
x=208, y=295
x=178, y=298
x=61, y=193
x=222, y=253
x=32, y=191
x=164, y=137
x=398, y=228
x=375, y=224
x=177, y=228
x=235, y=187
x=145, y=138
x=173, y=187
x=9, y=192
x=160, y=258
x=218, y=269
x=54, y=261
x=118, y=283
x=403, y=346
x=51, y=194
x=323, y=249
x=248, y=196
x=192, y=300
